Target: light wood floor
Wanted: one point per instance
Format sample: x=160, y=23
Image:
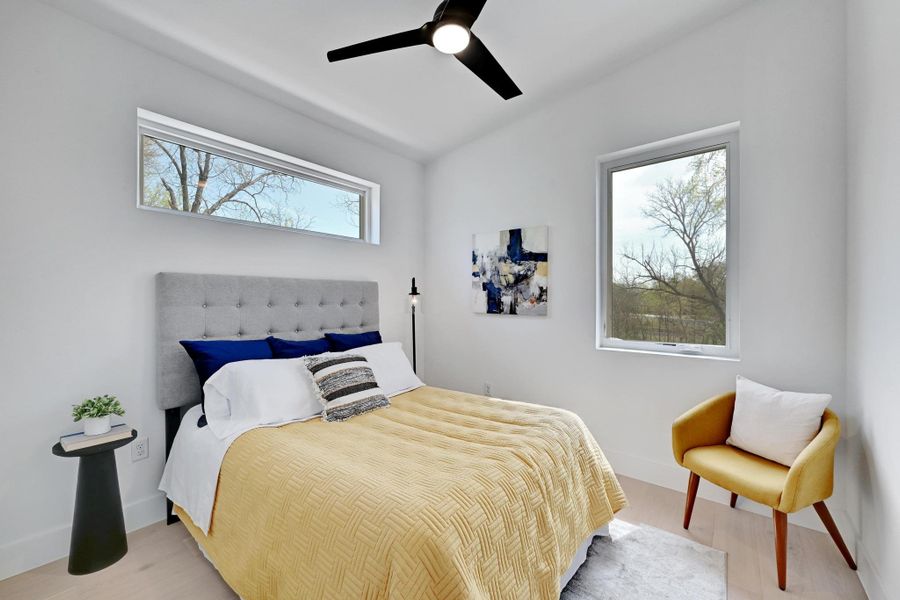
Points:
x=163, y=563
x=816, y=570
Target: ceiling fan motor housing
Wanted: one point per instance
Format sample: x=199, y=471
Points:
x=453, y=14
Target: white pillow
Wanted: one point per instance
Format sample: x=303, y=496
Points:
x=774, y=424
x=390, y=366
x=249, y=393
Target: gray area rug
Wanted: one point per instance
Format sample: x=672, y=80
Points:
x=639, y=562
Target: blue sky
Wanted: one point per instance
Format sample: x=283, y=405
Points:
x=318, y=200
x=313, y=200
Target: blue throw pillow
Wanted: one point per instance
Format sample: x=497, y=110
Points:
x=211, y=355
x=296, y=348
x=348, y=341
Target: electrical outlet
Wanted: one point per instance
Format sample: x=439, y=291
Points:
x=487, y=389
x=140, y=449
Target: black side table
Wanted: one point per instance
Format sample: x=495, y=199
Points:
x=98, y=528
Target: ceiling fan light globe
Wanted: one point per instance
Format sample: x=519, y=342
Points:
x=450, y=38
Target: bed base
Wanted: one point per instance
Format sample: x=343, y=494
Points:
x=173, y=420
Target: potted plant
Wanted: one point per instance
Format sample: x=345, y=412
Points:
x=95, y=413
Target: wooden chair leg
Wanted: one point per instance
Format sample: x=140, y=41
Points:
x=693, y=484
x=822, y=510
x=781, y=530
x=734, y=498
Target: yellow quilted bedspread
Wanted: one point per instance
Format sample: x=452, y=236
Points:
x=443, y=495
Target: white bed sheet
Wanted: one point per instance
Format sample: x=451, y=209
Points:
x=192, y=470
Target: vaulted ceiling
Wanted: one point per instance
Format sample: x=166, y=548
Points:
x=415, y=101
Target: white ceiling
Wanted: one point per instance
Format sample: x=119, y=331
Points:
x=415, y=101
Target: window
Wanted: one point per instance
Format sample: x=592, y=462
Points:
x=192, y=171
x=667, y=246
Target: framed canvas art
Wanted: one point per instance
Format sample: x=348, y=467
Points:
x=509, y=271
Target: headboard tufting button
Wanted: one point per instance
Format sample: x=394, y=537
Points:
x=296, y=304
x=204, y=305
x=204, y=336
x=238, y=305
x=269, y=305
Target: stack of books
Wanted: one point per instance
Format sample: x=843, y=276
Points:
x=77, y=441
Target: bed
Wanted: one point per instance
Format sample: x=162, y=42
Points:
x=442, y=495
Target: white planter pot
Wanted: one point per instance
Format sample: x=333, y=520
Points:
x=96, y=425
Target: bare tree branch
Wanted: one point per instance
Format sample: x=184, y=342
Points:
x=237, y=190
x=202, y=178
x=171, y=194
x=691, y=273
x=199, y=182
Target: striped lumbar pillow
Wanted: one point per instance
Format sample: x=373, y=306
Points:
x=345, y=384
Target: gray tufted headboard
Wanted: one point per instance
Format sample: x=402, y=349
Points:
x=191, y=307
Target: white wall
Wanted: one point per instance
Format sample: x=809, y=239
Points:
x=77, y=258
x=873, y=285
x=778, y=68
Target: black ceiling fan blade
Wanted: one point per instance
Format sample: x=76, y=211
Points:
x=405, y=39
x=480, y=61
x=464, y=10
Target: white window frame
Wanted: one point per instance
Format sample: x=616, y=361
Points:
x=723, y=136
x=179, y=132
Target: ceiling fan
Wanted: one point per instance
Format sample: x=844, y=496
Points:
x=450, y=32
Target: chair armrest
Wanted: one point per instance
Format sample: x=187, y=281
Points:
x=707, y=424
x=811, y=477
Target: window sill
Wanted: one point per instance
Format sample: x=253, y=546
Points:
x=673, y=354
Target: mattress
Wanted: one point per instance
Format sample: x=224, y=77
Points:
x=443, y=495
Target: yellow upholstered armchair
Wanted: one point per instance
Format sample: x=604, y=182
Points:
x=698, y=442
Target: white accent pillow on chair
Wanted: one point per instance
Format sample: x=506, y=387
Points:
x=774, y=424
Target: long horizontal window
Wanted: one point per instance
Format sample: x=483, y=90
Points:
x=197, y=172
x=667, y=266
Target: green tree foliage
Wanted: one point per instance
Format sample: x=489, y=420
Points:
x=676, y=292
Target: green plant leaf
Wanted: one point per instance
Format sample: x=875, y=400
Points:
x=99, y=406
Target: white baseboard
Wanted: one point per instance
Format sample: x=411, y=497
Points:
x=44, y=547
x=868, y=575
x=676, y=478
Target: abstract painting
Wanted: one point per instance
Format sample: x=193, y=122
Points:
x=509, y=272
